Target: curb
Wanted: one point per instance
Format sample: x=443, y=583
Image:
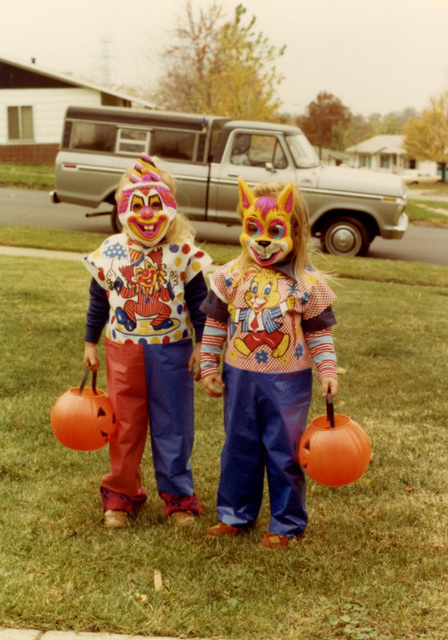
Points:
x=40, y=253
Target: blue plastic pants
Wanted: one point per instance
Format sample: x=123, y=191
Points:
x=264, y=417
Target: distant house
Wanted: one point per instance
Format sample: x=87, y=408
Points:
x=33, y=102
x=331, y=157
x=386, y=153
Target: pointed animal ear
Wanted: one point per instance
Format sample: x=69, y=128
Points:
x=247, y=198
x=285, y=200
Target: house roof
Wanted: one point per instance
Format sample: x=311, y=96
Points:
x=71, y=80
x=379, y=144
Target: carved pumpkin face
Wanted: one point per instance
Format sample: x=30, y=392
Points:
x=334, y=456
x=83, y=422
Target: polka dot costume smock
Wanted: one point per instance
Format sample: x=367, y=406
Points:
x=146, y=288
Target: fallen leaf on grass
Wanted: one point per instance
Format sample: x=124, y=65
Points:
x=157, y=580
x=141, y=597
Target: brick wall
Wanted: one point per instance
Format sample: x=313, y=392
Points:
x=29, y=153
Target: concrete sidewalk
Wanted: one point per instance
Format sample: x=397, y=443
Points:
x=32, y=634
x=40, y=253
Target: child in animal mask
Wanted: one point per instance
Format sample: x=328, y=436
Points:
x=273, y=312
x=147, y=287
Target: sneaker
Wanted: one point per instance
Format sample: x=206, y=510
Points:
x=222, y=529
x=114, y=519
x=182, y=518
x=274, y=541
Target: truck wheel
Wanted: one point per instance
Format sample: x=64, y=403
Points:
x=115, y=222
x=345, y=236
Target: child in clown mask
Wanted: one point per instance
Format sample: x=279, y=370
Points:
x=273, y=311
x=147, y=287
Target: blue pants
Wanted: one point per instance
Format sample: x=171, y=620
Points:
x=264, y=417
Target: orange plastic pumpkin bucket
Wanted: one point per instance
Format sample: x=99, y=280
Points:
x=334, y=450
x=83, y=418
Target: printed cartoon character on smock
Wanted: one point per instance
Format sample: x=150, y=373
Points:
x=147, y=289
x=259, y=320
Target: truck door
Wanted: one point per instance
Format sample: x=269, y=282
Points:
x=256, y=157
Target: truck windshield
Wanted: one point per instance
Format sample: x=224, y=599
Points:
x=302, y=151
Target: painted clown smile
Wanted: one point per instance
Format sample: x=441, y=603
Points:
x=148, y=231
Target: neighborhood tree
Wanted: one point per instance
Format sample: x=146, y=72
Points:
x=221, y=66
x=426, y=138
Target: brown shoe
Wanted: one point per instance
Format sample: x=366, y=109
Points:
x=182, y=518
x=114, y=519
x=222, y=529
x=273, y=541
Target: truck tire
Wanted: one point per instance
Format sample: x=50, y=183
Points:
x=115, y=221
x=345, y=236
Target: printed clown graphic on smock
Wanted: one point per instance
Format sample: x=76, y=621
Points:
x=266, y=235
x=260, y=324
x=147, y=289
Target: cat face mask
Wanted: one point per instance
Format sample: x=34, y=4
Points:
x=266, y=235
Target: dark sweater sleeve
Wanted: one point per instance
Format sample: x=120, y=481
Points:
x=97, y=313
x=215, y=308
x=195, y=293
x=323, y=321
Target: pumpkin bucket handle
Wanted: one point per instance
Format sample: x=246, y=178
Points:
x=330, y=409
x=84, y=380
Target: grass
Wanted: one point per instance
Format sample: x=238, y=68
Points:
x=353, y=268
x=373, y=562
x=27, y=176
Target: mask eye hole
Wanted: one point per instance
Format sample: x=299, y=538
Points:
x=277, y=230
x=155, y=203
x=136, y=204
x=253, y=228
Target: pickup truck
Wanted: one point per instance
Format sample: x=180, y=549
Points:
x=206, y=155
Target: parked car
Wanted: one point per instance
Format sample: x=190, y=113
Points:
x=206, y=154
x=412, y=176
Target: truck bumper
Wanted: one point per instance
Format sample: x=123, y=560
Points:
x=397, y=231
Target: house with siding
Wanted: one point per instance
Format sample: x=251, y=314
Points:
x=387, y=153
x=33, y=102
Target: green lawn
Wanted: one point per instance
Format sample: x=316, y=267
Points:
x=373, y=562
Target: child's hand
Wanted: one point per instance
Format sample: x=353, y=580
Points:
x=330, y=384
x=211, y=384
x=90, y=356
x=194, y=363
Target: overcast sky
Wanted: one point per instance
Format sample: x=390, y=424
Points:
x=376, y=56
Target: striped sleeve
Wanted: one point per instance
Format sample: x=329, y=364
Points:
x=213, y=339
x=321, y=347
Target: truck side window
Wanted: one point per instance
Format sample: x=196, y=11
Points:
x=173, y=145
x=240, y=149
x=257, y=150
x=132, y=141
x=91, y=136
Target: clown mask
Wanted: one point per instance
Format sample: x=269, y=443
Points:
x=146, y=207
x=266, y=235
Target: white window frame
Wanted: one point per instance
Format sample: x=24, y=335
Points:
x=21, y=123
